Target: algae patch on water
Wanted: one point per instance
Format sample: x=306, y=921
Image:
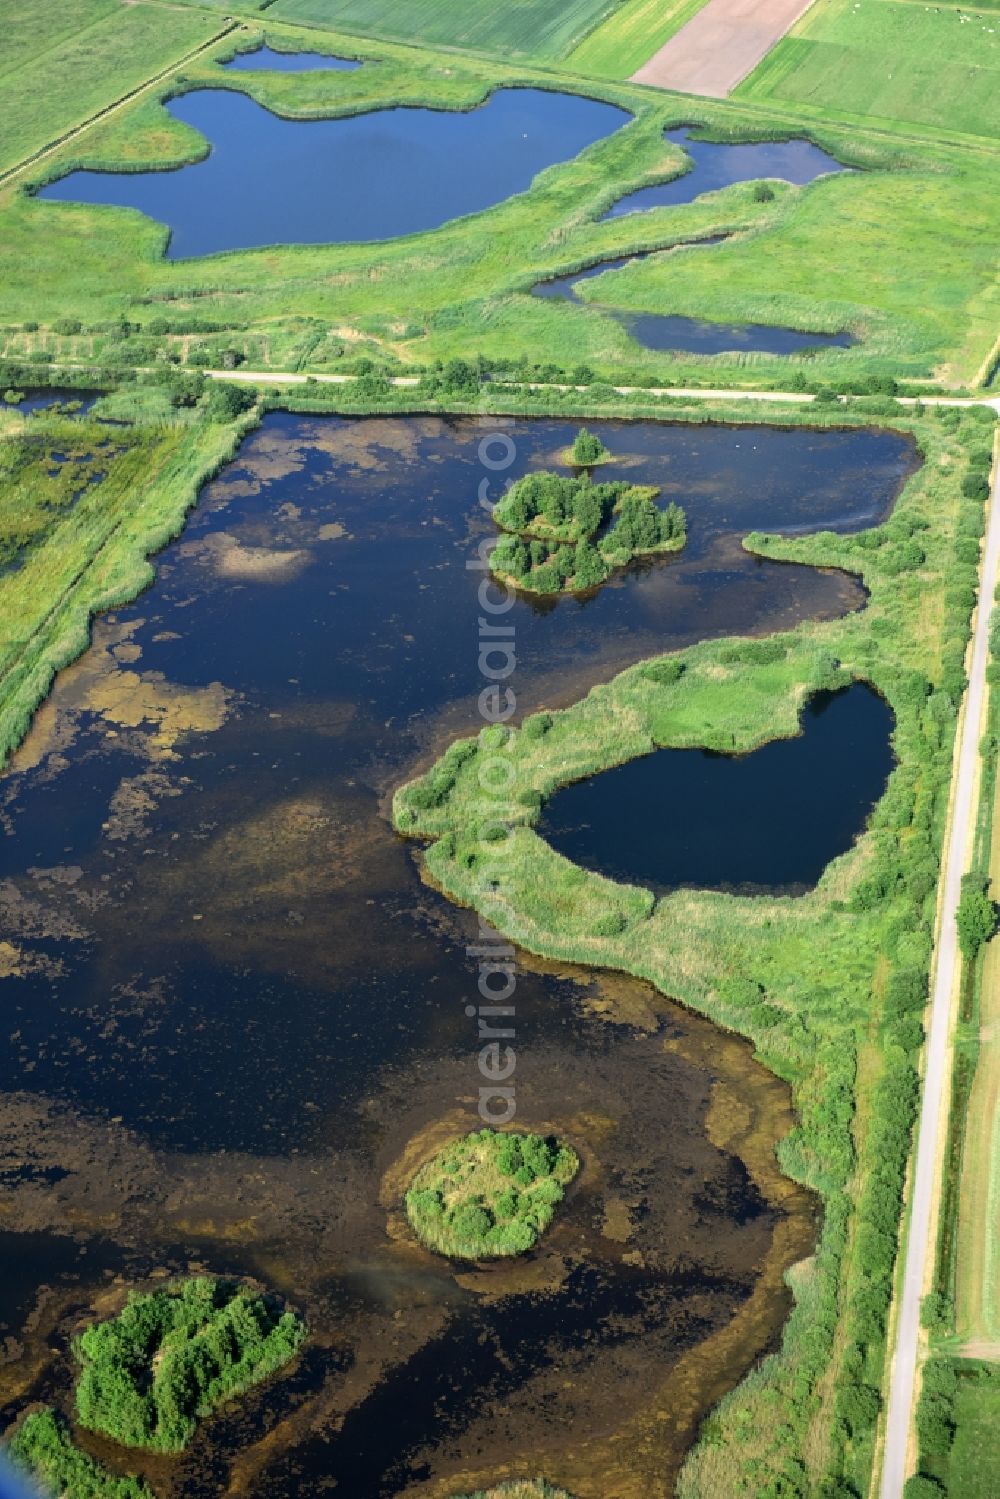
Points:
x=490, y=1194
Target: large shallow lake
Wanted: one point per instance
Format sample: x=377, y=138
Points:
x=371, y=176
x=236, y=1003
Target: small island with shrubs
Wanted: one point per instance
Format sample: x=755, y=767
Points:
x=490, y=1194
x=587, y=450
x=551, y=525
x=172, y=1356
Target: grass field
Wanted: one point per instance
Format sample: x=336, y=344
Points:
x=906, y=257
x=957, y=1416
x=521, y=28
x=890, y=61
x=974, y=1466
x=630, y=36
x=59, y=84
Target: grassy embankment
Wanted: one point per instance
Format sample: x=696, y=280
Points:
x=490, y=1194
x=899, y=65
x=60, y=66
x=72, y=547
x=903, y=257
x=830, y=986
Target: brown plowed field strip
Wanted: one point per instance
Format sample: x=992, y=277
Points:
x=720, y=45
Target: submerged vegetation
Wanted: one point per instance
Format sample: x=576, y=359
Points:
x=171, y=1357
x=551, y=526
x=490, y=1194
x=43, y=1447
x=82, y=505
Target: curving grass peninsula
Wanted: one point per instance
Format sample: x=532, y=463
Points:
x=171, y=1357
x=491, y=1194
x=551, y=524
x=43, y=1448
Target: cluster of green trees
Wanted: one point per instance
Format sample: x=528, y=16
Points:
x=490, y=1194
x=550, y=526
x=43, y=1448
x=945, y=1382
x=174, y=1355
x=977, y=916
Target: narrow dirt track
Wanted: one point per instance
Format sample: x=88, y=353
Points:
x=720, y=45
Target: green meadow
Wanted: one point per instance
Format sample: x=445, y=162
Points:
x=521, y=28
x=54, y=81
x=901, y=252
x=894, y=62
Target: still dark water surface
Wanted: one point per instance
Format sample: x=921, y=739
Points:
x=771, y=820
x=687, y=334
x=365, y=177
x=232, y=1005
x=266, y=59
x=716, y=165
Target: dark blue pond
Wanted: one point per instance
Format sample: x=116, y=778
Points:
x=373, y=176
x=266, y=59
x=769, y=820
x=716, y=165
x=686, y=334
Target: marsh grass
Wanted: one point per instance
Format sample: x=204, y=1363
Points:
x=71, y=559
x=491, y=1194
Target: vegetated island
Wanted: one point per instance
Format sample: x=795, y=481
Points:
x=587, y=450
x=550, y=522
x=174, y=1355
x=489, y=1194
x=43, y=1448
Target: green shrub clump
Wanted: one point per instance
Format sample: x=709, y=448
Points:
x=551, y=523
x=588, y=449
x=174, y=1355
x=44, y=1449
x=490, y=1194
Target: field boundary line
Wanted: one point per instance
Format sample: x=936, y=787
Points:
x=52, y=146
